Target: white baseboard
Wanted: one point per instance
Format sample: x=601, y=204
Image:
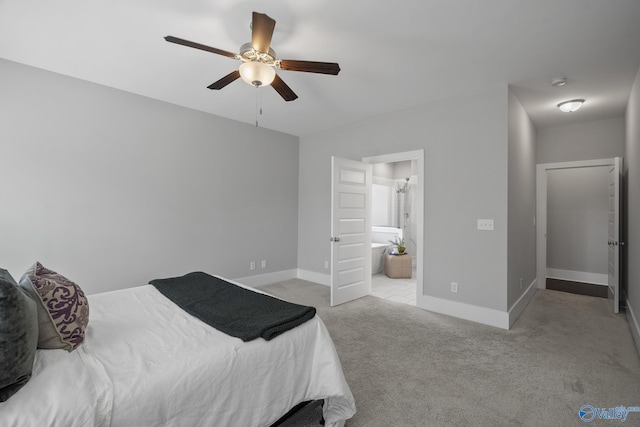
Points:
x=632, y=319
x=578, y=276
x=518, y=308
x=268, y=278
x=486, y=316
x=279, y=276
x=315, y=277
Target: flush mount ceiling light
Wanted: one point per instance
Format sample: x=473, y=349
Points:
x=571, y=105
x=560, y=81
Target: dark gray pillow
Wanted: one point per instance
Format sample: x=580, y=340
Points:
x=18, y=336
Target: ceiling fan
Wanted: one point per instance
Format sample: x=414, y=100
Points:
x=259, y=60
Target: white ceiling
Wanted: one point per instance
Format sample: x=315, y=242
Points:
x=394, y=55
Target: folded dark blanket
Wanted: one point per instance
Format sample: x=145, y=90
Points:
x=234, y=310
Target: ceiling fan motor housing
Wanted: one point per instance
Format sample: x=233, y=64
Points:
x=248, y=53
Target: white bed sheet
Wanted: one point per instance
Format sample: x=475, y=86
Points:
x=146, y=362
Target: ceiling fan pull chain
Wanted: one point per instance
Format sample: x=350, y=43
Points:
x=257, y=106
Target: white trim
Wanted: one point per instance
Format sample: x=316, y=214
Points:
x=486, y=316
x=578, y=164
x=315, y=277
x=268, y=278
x=417, y=155
x=518, y=308
x=633, y=325
x=395, y=157
x=578, y=276
x=541, y=225
x=474, y=313
x=541, y=209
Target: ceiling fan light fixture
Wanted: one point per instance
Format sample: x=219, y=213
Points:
x=257, y=73
x=259, y=60
x=571, y=105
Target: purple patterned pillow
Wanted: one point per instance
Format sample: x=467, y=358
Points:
x=63, y=309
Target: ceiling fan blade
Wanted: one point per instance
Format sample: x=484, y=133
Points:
x=229, y=78
x=281, y=87
x=195, y=45
x=309, y=66
x=261, y=32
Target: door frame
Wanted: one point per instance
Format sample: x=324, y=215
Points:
x=615, y=242
x=541, y=208
x=417, y=155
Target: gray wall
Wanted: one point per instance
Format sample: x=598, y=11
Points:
x=577, y=219
x=113, y=189
x=522, y=201
x=600, y=139
x=632, y=190
x=383, y=170
x=402, y=170
x=465, y=143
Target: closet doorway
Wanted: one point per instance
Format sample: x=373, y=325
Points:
x=578, y=214
x=401, y=191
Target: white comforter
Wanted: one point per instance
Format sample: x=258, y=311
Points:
x=146, y=362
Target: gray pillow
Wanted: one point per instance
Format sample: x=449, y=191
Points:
x=18, y=336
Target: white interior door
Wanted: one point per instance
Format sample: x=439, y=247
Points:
x=350, y=230
x=614, y=234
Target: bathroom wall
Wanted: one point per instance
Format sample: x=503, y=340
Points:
x=388, y=178
x=381, y=196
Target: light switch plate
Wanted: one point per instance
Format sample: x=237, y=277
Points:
x=485, y=224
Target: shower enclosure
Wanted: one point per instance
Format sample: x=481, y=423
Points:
x=404, y=212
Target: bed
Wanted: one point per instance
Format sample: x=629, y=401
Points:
x=147, y=362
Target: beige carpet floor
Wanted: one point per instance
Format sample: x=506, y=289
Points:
x=410, y=367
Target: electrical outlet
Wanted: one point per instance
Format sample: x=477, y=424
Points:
x=326, y=264
x=263, y=263
x=485, y=224
x=252, y=265
x=454, y=287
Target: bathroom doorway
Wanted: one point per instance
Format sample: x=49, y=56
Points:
x=397, y=212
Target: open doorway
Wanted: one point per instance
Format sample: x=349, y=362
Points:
x=578, y=227
x=397, y=213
